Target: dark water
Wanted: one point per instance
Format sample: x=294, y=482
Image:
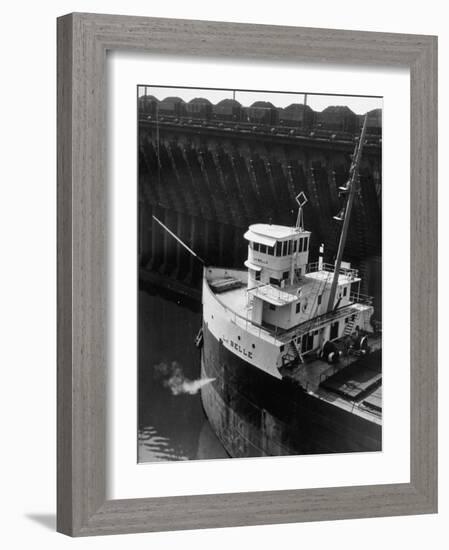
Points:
x=172, y=423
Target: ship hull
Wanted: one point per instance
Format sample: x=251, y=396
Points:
x=255, y=414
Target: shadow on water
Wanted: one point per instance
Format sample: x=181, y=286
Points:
x=172, y=424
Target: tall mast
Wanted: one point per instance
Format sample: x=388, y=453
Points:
x=349, y=190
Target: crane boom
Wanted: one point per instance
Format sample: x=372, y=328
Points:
x=182, y=243
x=353, y=176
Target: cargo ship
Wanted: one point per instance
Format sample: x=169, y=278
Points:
x=290, y=346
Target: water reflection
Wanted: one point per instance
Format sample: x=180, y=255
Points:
x=172, y=424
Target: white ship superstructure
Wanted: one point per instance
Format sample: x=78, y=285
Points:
x=276, y=312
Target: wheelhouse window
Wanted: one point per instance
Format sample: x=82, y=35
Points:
x=300, y=244
x=345, y=291
x=290, y=244
x=272, y=307
x=306, y=244
x=295, y=246
x=270, y=250
x=257, y=275
x=285, y=275
x=275, y=282
x=298, y=307
x=278, y=248
x=256, y=247
x=284, y=248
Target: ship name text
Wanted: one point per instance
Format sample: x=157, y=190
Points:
x=241, y=350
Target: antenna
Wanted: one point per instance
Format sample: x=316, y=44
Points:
x=301, y=199
x=179, y=240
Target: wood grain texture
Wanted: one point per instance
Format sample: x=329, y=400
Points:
x=64, y=277
x=83, y=40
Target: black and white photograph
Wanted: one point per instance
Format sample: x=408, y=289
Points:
x=260, y=273
x=220, y=308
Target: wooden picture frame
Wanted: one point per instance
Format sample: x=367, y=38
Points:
x=83, y=40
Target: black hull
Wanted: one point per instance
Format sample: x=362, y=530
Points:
x=254, y=414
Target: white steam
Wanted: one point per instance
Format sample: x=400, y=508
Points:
x=172, y=376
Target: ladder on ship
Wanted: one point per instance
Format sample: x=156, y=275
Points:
x=297, y=350
x=349, y=326
x=293, y=355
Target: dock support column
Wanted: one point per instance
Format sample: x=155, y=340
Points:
x=155, y=240
x=191, y=242
x=181, y=253
x=221, y=238
x=169, y=243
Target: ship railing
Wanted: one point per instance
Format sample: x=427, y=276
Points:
x=361, y=406
x=317, y=266
x=237, y=318
x=280, y=335
x=270, y=291
x=359, y=298
x=316, y=322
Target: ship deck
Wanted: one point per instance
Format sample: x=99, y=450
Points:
x=308, y=286
x=354, y=384
x=236, y=300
